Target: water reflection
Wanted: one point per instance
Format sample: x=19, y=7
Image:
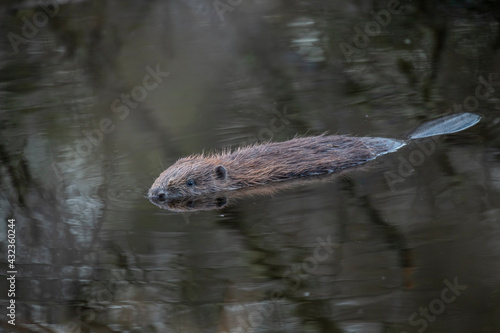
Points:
x=94, y=255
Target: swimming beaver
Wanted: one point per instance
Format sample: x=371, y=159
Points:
x=279, y=161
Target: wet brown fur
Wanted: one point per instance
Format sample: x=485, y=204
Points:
x=266, y=163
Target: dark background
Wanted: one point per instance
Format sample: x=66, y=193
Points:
x=94, y=255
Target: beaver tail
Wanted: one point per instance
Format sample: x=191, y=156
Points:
x=445, y=125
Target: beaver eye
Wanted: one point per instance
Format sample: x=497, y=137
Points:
x=190, y=183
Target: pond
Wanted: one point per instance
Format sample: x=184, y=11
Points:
x=98, y=98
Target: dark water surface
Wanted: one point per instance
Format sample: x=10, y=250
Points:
x=97, y=98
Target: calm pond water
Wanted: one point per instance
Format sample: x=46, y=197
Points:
x=97, y=98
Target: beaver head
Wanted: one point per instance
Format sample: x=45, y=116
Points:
x=190, y=176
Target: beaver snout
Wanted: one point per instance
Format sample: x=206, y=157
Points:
x=157, y=195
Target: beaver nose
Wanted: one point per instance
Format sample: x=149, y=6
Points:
x=162, y=197
x=158, y=194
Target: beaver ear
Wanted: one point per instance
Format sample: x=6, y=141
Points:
x=220, y=172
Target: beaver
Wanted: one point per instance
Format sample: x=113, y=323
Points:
x=279, y=161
